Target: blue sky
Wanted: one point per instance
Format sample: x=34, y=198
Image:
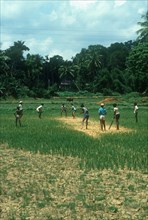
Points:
x=64, y=27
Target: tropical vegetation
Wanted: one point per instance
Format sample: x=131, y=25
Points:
x=120, y=68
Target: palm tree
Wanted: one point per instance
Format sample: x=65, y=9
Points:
x=68, y=72
x=3, y=63
x=143, y=31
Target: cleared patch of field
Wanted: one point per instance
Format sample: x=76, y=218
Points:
x=41, y=187
x=93, y=127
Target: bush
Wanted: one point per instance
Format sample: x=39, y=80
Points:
x=23, y=91
x=133, y=95
x=31, y=93
x=116, y=94
x=107, y=92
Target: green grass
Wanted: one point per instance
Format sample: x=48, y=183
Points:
x=49, y=136
x=51, y=172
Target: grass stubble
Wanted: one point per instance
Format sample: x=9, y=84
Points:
x=37, y=186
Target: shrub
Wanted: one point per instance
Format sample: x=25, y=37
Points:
x=107, y=92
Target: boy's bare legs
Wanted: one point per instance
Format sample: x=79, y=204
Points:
x=86, y=123
x=136, y=116
x=104, y=125
x=117, y=123
x=83, y=122
x=19, y=122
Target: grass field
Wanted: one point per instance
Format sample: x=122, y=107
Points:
x=54, y=169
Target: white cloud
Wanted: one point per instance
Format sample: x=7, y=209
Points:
x=119, y=3
x=81, y=5
x=37, y=45
x=68, y=20
x=7, y=42
x=65, y=27
x=53, y=16
x=130, y=31
x=10, y=9
x=67, y=54
x=141, y=11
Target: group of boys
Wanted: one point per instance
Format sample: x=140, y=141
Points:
x=19, y=112
x=101, y=111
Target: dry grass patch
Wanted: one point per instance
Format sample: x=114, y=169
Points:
x=41, y=187
x=93, y=127
x=108, y=100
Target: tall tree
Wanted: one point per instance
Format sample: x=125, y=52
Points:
x=143, y=31
x=117, y=54
x=54, y=65
x=4, y=67
x=17, y=60
x=4, y=70
x=68, y=72
x=93, y=60
x=15, y=53
x=34, y=66
x=137, y=67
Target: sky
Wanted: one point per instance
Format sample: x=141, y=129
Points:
x=64, y=27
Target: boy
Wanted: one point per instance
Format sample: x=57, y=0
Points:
x=116, y=115
x=136, y=111
x=18, y=115
x=39, y=109
x=21, y=108
x=73, y=110
x=63, y=109
x=102, y=112
x=85, y=115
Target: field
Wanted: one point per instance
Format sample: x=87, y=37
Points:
x=53, y=168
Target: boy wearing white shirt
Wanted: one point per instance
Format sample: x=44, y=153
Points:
x=39, y=109
x=136, y=111
x=116, y=115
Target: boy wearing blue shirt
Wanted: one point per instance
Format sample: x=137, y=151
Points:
x=102, y=112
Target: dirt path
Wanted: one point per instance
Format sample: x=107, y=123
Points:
x=93, y=127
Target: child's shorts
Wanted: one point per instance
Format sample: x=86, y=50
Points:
x=102, y=117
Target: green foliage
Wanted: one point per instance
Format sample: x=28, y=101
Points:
x=107, y=92
x=133, y=95
x=143, y=31
x=120, y=68
x=137, y=67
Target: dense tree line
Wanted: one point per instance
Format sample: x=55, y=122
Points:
x=119, y=68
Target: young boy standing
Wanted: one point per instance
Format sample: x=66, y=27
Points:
x=63, y=109
x=73, y=108
x=85, y=115
x=136, y=111
x=102, y=112
x=116, y=115
x=18, y=115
